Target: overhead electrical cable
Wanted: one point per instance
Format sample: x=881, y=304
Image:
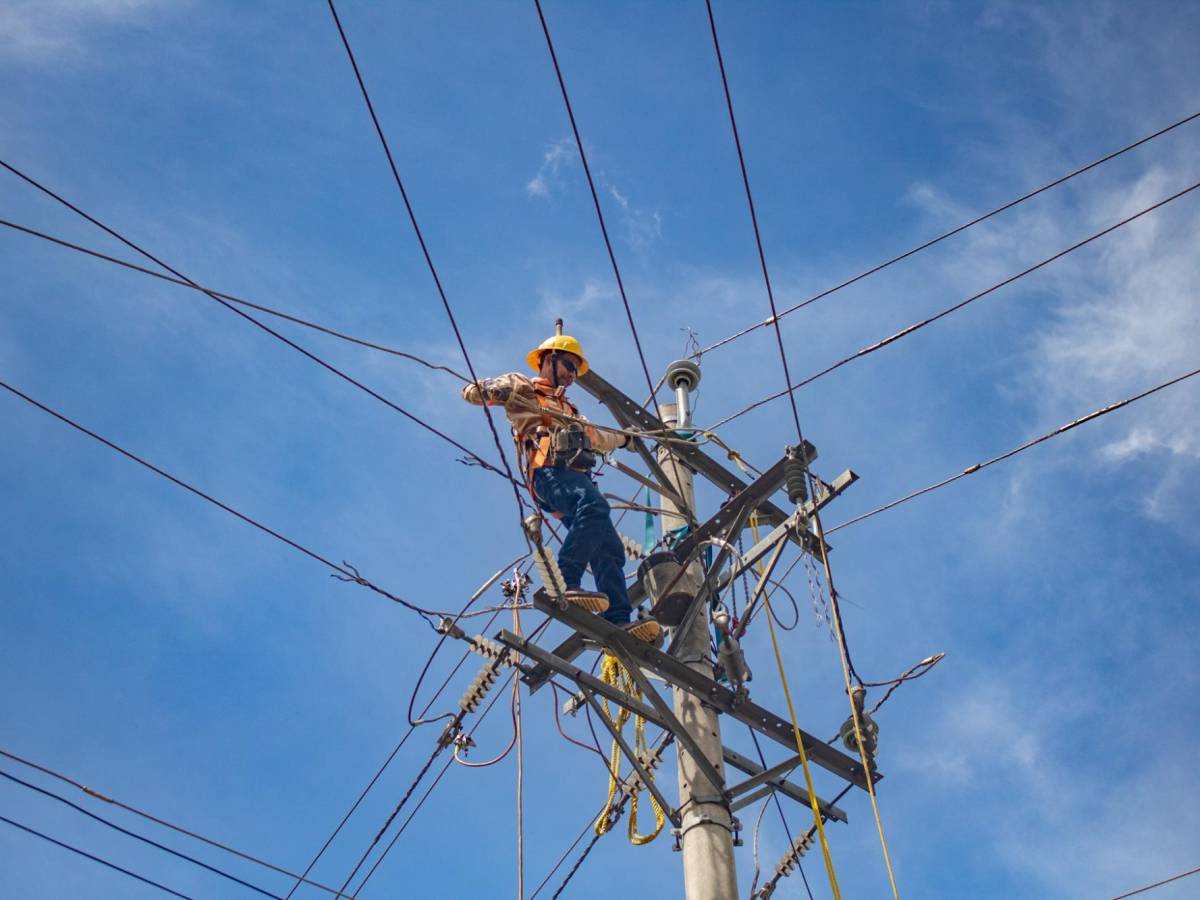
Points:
x=1158, y=884
x=953, y=231
x=183, y=282
x=416, y=809
x=412, y=724
x=587, y=171
x=104, y=798
x=133, y=834
x=437, y=281
x=626, y=793
x=1062, y=429
x=93, y=858
x=275, y=334
x=917, y=326
x=816, y=519
x=347, y=573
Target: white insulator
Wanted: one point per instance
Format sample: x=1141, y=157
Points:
x=633, y=550
x=548, y=571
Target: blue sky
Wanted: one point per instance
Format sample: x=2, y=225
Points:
x=163, y=652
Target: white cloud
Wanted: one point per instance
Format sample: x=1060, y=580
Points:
x=41, y=30
x=549, y=174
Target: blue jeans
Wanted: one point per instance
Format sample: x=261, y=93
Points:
x=591, y=538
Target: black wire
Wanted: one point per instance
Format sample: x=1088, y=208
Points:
x=779, y=806
x=953, y=231
x=93, y=858
x=1062, y=429
x=182, y=282
x=496, y=696
x=135, y=835
x=521, y=507
x=917, y=326
x=347, y=574
x=275, y=334
x=587, y=171
x=762, y=258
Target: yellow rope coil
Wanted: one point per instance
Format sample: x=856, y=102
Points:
x=615, y=674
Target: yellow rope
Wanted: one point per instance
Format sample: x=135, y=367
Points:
x=615, y=674
x=841, y=642
x=812, y=794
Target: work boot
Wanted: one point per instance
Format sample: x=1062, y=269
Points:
x=647, y=630
x=591, y=601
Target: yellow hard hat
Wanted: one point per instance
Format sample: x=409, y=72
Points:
x=561, y=342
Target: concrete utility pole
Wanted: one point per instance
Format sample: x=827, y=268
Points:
x=707, y=829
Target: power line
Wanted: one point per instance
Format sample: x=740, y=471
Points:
x=103, y=862
x=587, y=171
x=275, y=334
x=843, y=646
x=183, y=282
x=917, y=326
x=971, y=470
x=428, y=259
x=136, y=836
x=1148, y=887
x=347, y=573
x=412, y=723
x=762, y=258
x=953, y=231
x=156, y=820
x=665, y=741
x=396, y=837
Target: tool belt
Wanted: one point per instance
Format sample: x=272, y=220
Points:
x=571, y=448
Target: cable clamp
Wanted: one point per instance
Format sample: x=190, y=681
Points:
x=449, y=733
x=463, y=743
x=447, y=627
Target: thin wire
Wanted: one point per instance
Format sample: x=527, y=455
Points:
x=1148, y=887
x=782, y=818
x=762, y=258
x=917, y=326
x=425, y=797
x=666, y=740
x=275, y=334
x=953, y=231
x=518, y=736
x=587, y=171
x=521, y=507
x=971, y=470
x=133, y=834
x=155, y=819
x=412, y=724
x=348, y=573
x=102, y=862
x=183, y=282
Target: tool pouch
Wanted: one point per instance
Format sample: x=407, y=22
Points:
x=571, y=447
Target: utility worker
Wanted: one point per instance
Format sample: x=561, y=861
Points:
x=557, y=449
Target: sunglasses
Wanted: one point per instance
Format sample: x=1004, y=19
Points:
x=568, y=365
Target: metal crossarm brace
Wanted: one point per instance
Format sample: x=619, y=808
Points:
x=766, y=775
x=667, y=715
x=643, y=772
x=699, y=685
x=586, y=680
x=626, y=410
x=779, y=783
